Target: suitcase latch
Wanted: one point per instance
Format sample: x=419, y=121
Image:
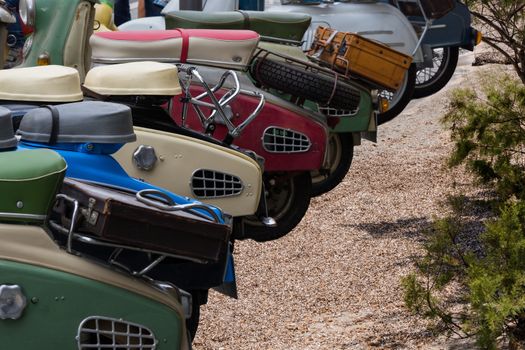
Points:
x=90, y=214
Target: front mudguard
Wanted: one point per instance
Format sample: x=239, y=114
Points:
x=62, y=290
x=181, y=157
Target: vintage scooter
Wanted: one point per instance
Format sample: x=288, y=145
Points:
x=52, y=299
x=6, y=18
x=445, y=37
x=92, y=161
x=283, y=200
x=54, y=51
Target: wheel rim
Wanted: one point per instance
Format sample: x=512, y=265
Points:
x=280, y=193
x=335, y=153
x=440, y=59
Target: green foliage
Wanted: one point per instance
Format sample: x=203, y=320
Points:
x=489, y=134
x=473, y=283
x=497, y=281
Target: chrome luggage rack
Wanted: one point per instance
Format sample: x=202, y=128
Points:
x=150, y=197
x=218, y=106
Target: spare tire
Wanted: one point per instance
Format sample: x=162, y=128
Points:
x=299, y=82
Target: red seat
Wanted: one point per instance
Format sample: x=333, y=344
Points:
x=149, y=35
x=223, y=48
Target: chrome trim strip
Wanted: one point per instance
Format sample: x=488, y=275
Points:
x=22, y=216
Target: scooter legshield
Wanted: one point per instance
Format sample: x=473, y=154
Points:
x=210, y=173
x=72, y=291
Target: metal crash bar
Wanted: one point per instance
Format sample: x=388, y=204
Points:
x=217, y=105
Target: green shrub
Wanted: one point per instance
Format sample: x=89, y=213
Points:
x=488, y=129
x=474, y=284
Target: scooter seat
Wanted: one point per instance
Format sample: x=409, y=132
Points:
x=290, y=26
x=85, y=125
x=40, y=84
x=29, y=181
x=134, y=78
x=221, y=48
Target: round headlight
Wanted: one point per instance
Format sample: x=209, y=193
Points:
x=27, y=11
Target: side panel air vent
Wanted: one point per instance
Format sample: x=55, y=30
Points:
x=103, y=333
x=279, y=140
x=215, y=184
x=338, y=113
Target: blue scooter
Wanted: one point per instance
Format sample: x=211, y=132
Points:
x=445, y=37
x=85, y=134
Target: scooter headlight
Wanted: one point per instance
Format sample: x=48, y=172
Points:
x=27, y=11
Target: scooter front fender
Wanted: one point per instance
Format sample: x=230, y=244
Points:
x=69, y=289
x=181, y=158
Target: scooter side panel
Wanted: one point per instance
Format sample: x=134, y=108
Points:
x=454, y=29
x=180, y=157
x=376, y=21
x=252, y=137
x=59, y=302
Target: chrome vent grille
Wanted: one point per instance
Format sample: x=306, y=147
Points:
x=104, y=333
x=279, y=140
x=332, y=112
x=215, y=184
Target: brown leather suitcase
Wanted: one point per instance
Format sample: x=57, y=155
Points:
x=120, y=218
x=352, y=54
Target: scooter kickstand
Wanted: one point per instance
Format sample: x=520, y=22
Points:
x=266, y=219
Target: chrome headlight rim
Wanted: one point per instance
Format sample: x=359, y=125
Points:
x=27, y=12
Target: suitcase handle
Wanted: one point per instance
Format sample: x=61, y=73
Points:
x=156, y=197
x=74, y=216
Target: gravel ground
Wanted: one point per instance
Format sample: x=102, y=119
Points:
x=334, y=282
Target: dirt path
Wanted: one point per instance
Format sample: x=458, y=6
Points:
x=334, y=282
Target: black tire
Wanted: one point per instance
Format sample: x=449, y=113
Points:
x=288, y=199
x=301, y=83
x=199, y=297
x=402, y=97
x=192, y=324
x=431, y=80
x=341, y=154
